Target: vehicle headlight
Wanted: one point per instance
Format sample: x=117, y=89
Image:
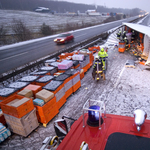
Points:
x=55, y=40
x=62, y=40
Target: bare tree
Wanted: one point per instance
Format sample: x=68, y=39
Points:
x=22, y=33
x=3, y=32
x=46, y=30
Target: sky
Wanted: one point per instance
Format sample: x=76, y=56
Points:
x=142, y=4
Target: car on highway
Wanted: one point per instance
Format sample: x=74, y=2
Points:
x=64, y=38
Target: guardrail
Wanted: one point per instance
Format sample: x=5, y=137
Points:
x=86, y=43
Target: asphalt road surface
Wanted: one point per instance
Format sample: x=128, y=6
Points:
x=16, y=55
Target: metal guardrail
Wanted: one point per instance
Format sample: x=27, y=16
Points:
x=86, y=43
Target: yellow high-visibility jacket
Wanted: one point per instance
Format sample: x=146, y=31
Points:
x=102, y=54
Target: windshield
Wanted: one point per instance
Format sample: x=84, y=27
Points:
x=62, y=35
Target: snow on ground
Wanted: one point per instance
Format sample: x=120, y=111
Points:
x=123, y=91
x=34, y=20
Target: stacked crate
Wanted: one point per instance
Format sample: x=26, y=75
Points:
x=57, y=87
x=17, y=111
x=7, y=92
x=75, y=78
x=76, y=81
x=34, y=88
x=48, y=61
x=26, y=93
x=50, y=69
x=4, y=94
x=46, y=107
x=81, y=74
x=67, y=80
x=18, y=85
x=44, y=80
x=65, y=65
x=76, y=64
x=31, y=79
x=87, y=63
x=39, y=73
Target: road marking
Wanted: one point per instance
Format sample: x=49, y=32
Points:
x=119, y=77
x=80, y=35
x=13, y=56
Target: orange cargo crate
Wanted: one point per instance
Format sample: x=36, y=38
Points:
x=75, y=67
x=76, y=86
x=88, y=66
x=56, y=90
x=73, y=76
x=7, y=92
x=85, y=69
x=61, y=102
x=82, y=74
x=47, y=105
x=44, y=80
x=19, y=111
x=34, y=88
x=41, y=84
x=69, y=92
x=47, y=112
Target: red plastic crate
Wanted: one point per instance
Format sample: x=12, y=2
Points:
x=19, y=111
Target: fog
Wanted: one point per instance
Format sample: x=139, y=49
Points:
x=142, y=4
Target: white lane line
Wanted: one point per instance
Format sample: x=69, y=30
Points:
x=13, y=56
x=80, y=35
x=119, y=77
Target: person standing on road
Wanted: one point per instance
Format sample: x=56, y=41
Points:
x=103, y=54
x=126, y=43
x=119, y=35
x=124, y=34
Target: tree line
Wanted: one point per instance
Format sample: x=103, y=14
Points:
x=61, y=6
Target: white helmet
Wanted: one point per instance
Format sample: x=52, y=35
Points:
x=96, y=57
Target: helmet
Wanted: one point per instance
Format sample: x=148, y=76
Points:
x=102, y=49
x=96, y=57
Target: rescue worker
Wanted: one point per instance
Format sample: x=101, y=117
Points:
x=126, y=43
x=103, y=55
x=133, y=36
x=124, y=34
x=119, y=35
x=100, y=66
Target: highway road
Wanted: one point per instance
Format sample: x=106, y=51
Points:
x=16, y=55
x=146, y=21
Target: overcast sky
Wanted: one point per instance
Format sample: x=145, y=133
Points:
x=142, y=4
